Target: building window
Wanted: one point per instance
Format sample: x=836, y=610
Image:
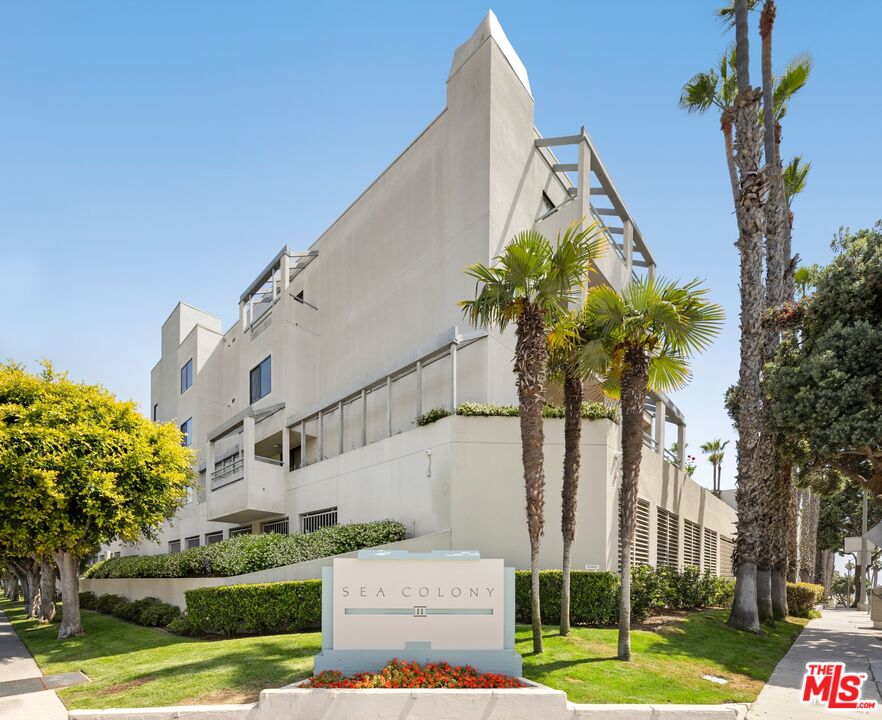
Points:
x=261, y=380
x=174, y=546
x=186, y=376
x=668, y=539
x=192, y=542
x=187, y=430
x=691, y=543
x=117, y=554
x=547, y=205
x=155, y=411
x=310, y=522
x=640, y=546
x=244, y=530
x=710, y=550
x=276, y=526
x=214, y=537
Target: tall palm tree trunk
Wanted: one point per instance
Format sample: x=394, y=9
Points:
x=531, y=367
x=573, y=392
x=635, y=379
x=729, y=145
x=749, y=211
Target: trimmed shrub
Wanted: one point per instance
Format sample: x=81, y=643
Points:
x=87, y=600
x=249, y=553
x=181, y=625
x=432, y=415
x=110, y=604
x=594, y=595
x=590, y=411
x=802, y=598
x=262, y=608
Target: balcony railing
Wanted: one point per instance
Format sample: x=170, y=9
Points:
x=277, y=526
x=672, y=457
x=650, y=442
x=229, y=471
x=310, y=522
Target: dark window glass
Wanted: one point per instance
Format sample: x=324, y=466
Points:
x=261, y=380
x=155, y=412
x=187, y=375
x=187, y=429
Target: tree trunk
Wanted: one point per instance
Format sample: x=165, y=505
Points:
x=858, y=584
x=829, y=563
x=635, y=378
x=47, y=591
x=569, y=493
x=764, y=594
x=13, y=587
x=729, y=145
x=22, y=578
x=531, y=364
x=69, y=568
x=780, y=610
x=750, y=214
x=809, y=536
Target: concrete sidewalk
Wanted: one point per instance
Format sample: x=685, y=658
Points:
x=839, y=635
x=16, y=664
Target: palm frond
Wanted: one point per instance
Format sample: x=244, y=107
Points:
x=790, y=82
x=795, y=174
x=700, y=92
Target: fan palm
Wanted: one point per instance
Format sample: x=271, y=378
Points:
x=646, y=336
x=714, y=449
x=563, y=363
x=531, y=285
x=716, y=89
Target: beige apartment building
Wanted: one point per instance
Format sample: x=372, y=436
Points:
x=304, y=412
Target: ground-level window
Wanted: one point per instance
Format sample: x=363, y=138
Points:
x=276, y=526
x=187, y=430
x=667, y=539
x=174, y=546
x=260, y=380
x=710, y=550
x=244, y=530
x=312, y=521
x=214, y=537
x=186, y=376
x=691, y=543
x=192, y=542
x=640, y=547
x=117, y=554
x=727, y=548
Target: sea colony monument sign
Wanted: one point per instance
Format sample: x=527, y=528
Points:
x=440, y=606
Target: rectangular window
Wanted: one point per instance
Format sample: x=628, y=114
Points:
x=668, y=539
x=174, y=546
x=276, y=526
x=691, y=543
x=261, y=380
x=310, y=522
x=640, y=547
x=186, y=376
x=214, y=537
x=117, y=554
x=192, y=542
x=187, y=430
x=244, y=530
x=155, y=411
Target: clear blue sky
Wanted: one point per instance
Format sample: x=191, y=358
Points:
x=161, y=151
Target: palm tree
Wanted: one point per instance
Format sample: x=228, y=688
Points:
x=564, y=365
x=531, y=285
x=711, y=89
x=715, y=450
x=647, y=334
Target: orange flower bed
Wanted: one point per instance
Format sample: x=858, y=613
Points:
x=404, y=674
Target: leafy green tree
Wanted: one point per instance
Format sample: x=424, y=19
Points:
x=824, y=385
x=79, y=468
x=646, y=335
x=531, y=285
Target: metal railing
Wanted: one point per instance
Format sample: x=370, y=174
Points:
x=650, y=442
x=245, y=530
x=310, y=522
x=672, y=457
x=214, y=537
x=227, y=471
x=276, y=526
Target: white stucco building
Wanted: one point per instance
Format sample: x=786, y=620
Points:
x=303, y=412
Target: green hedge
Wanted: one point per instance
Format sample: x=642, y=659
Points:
x=262, y=609
x=249, y=553
x=590, y=411
x=802, y=598
x=149, y=611
x=594, y=595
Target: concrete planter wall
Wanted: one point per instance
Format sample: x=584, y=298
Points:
x=528, y=703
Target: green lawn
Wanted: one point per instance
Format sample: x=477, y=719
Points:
x=132, y=666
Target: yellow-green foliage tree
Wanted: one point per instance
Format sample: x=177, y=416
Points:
x=78, y=468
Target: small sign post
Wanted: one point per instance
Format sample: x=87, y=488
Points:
x=440, y=606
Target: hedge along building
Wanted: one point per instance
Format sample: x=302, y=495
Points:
x=304, y=412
